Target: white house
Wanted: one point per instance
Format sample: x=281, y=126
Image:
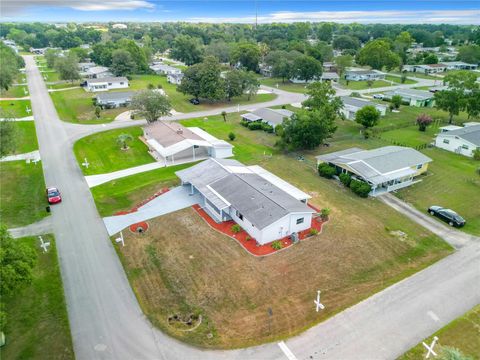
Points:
x=430, y=68
x=386, y=169
x=84, y=66
x=175, y=78
x=265, y=206
x=362, y=75
x=351, y=105
x=171, y=143
x=461, y=140
x=96, y=72
x=459, y=65
x=106, y=83
x=119, y=26
x=414, y=97
x=164, y=69
x=114, y=99
x=330, y=76
x=272, y=117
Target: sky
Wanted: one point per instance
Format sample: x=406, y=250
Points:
x=242, y=11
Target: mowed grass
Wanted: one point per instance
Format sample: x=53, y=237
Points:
x=26, y=137
x=76, y=105
x=398, y=79
x=105, y=155
x=451, y=182
x=16, y=91
x=15, y=108
x=462, y=333
x=286, y=86
x=362, y=85
x=22, y=193
x=125, y=193
x=181, y=266
x=419, y=75
x=37, y=321
x=50, y=76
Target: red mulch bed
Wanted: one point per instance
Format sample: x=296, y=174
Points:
x=251, y=245
x=135, y=208
x=134, y=228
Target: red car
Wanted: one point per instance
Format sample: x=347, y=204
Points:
x=53, y=195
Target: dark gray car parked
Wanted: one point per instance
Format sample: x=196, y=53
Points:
x=447, y=215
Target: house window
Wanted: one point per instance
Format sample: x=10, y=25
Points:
x=465, y=147
x=109, y=84
x=300, y=221
x=445, y=141
x=121, y=83
x=240, y=216
x=419, y=166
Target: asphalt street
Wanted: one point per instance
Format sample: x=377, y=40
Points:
x=107, y=323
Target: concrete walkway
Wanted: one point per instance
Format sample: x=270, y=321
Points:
x=41, y=227
x=173, y=200
x=456, y=238
x=26, y=118
x=31, y=156
x=65, y=88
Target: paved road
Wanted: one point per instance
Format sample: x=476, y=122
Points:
x=107, y=323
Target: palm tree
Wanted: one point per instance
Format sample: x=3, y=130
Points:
x=122, y=140
x=224, y=114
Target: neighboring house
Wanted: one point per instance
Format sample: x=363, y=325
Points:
x=272, y=117
x=175, y=78
x=386, y=169
x=461, y=141
x=106, y=83
x=84, y=66
x=414, y=97
x=11, y=44
x=362, y=75
x=171, y=143
x=430, y=69
x=265, y=70
x=265, y=206
x=97, y=72
x=330, y=76
x=351, y=105
x=114, y=99
x=408, y=68
x=164, y=69
x=119, y=26
x=459, y=65
x=329, y=66
x=296, y=80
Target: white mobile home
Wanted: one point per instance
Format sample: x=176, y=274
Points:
x=460, y=140
x=351, y=105
x=105, y=84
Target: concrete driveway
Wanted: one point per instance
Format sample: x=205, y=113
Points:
x=173, y=200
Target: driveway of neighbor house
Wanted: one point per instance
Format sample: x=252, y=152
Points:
x=171, y=201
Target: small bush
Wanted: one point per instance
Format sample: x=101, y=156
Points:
x=313, y=231
x=325, y=213
x=244, y=123
x=326, y=170
x=279, y=130
x=248, y=238
x=277, y=245
x=268, y=128
x=256, y=125
x=476, y=154
x=345, y=179
x=232, y=136
x=159, y=86
x=236, y=228
x=150, y=86
x=360, y=188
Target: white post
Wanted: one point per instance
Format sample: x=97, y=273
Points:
x=120, y=239
x=317, y=302
x=238, y=107
x=430, y=348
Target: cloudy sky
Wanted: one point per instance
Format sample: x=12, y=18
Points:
x=387, y=11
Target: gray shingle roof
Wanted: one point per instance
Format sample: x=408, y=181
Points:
x=469, y=133
x=359, y=103
x=271, y=116
x=108, y=79
x=115, y=96
x=411, y=93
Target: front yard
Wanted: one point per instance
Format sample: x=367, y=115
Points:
x=362, y=85
x=22, y=195
x=15, y=91
x=286, y=86
x=37, y=321
x=15, y=108
x=26, y=137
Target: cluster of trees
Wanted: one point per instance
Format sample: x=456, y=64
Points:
x=462, y=94
x=205, y=81
x=10, y=63
x=65, y=64
x=124, y=56
x=315, y=122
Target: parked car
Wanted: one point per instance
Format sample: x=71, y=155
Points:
x=447, y=215
x=53, y=195
x=378, y=96
x=194, y=101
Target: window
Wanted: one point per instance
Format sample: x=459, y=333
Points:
x=300, y=221
x=419, y=166
x=121, y=83
x=109, y=84
x=446, y=141
x=465, y=147
x=240, y=216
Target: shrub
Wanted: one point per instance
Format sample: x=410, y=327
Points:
x=236, y=228
x=277, y=245
x=360, y=188
x=396, y=101
x=97, y=111
x=326, y=171
x=256, y=125
x=231, y=136
x=150, y=86
x=476, y=154
x=325, y=213
x=355, y=94
x=244, y=123
x=268, y=128
x=423, y=121
x=248, y=238
x=345, y=179
x=159, y=86
x=313, y=231
x=279, y=130
x=403, y=78
x=367, y=133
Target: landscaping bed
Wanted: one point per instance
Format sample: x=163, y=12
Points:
x=37, y=321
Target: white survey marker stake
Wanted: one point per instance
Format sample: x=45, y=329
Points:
x=317, y=302
x=430, y=348
x=44, y=245
x=86, y=163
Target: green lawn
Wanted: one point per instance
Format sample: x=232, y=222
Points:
x=15, y=108
x=76, y=106
x=63, y=85
x=37, y=321
x=124, y=193
x=104, y=154
x=362, y=85
x=21, y=78
x=419, y=75
x=451, y=182
x=50, y=76
x=286, y=86
x=462, y=333
x=16, y=91
x=22, y=195
x=398, y=80
x=27, y=137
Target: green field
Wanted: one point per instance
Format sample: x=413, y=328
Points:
x=76, y=106
x=26, y=137
x=419, y=75
x=22, y=194
x=462, y=333
x=451, y=182
x=286, y=86
x=15, y=108
x=16, y=91
x=362, y=85
x=37, y=321
x=398, y=79
x=63, y=85
x=105, y=155
x=50, y=76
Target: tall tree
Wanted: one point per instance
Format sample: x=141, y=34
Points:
x=233, y=84
x=343, y=42
x=67, y=68
x=469, y=54
x=151, y=104
x=122, y=63
x=343, y=62
x=368, y=116
x=378, y=54
x=307, y=68
x=247, y=55
x=325, y=32
x=187, y=49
